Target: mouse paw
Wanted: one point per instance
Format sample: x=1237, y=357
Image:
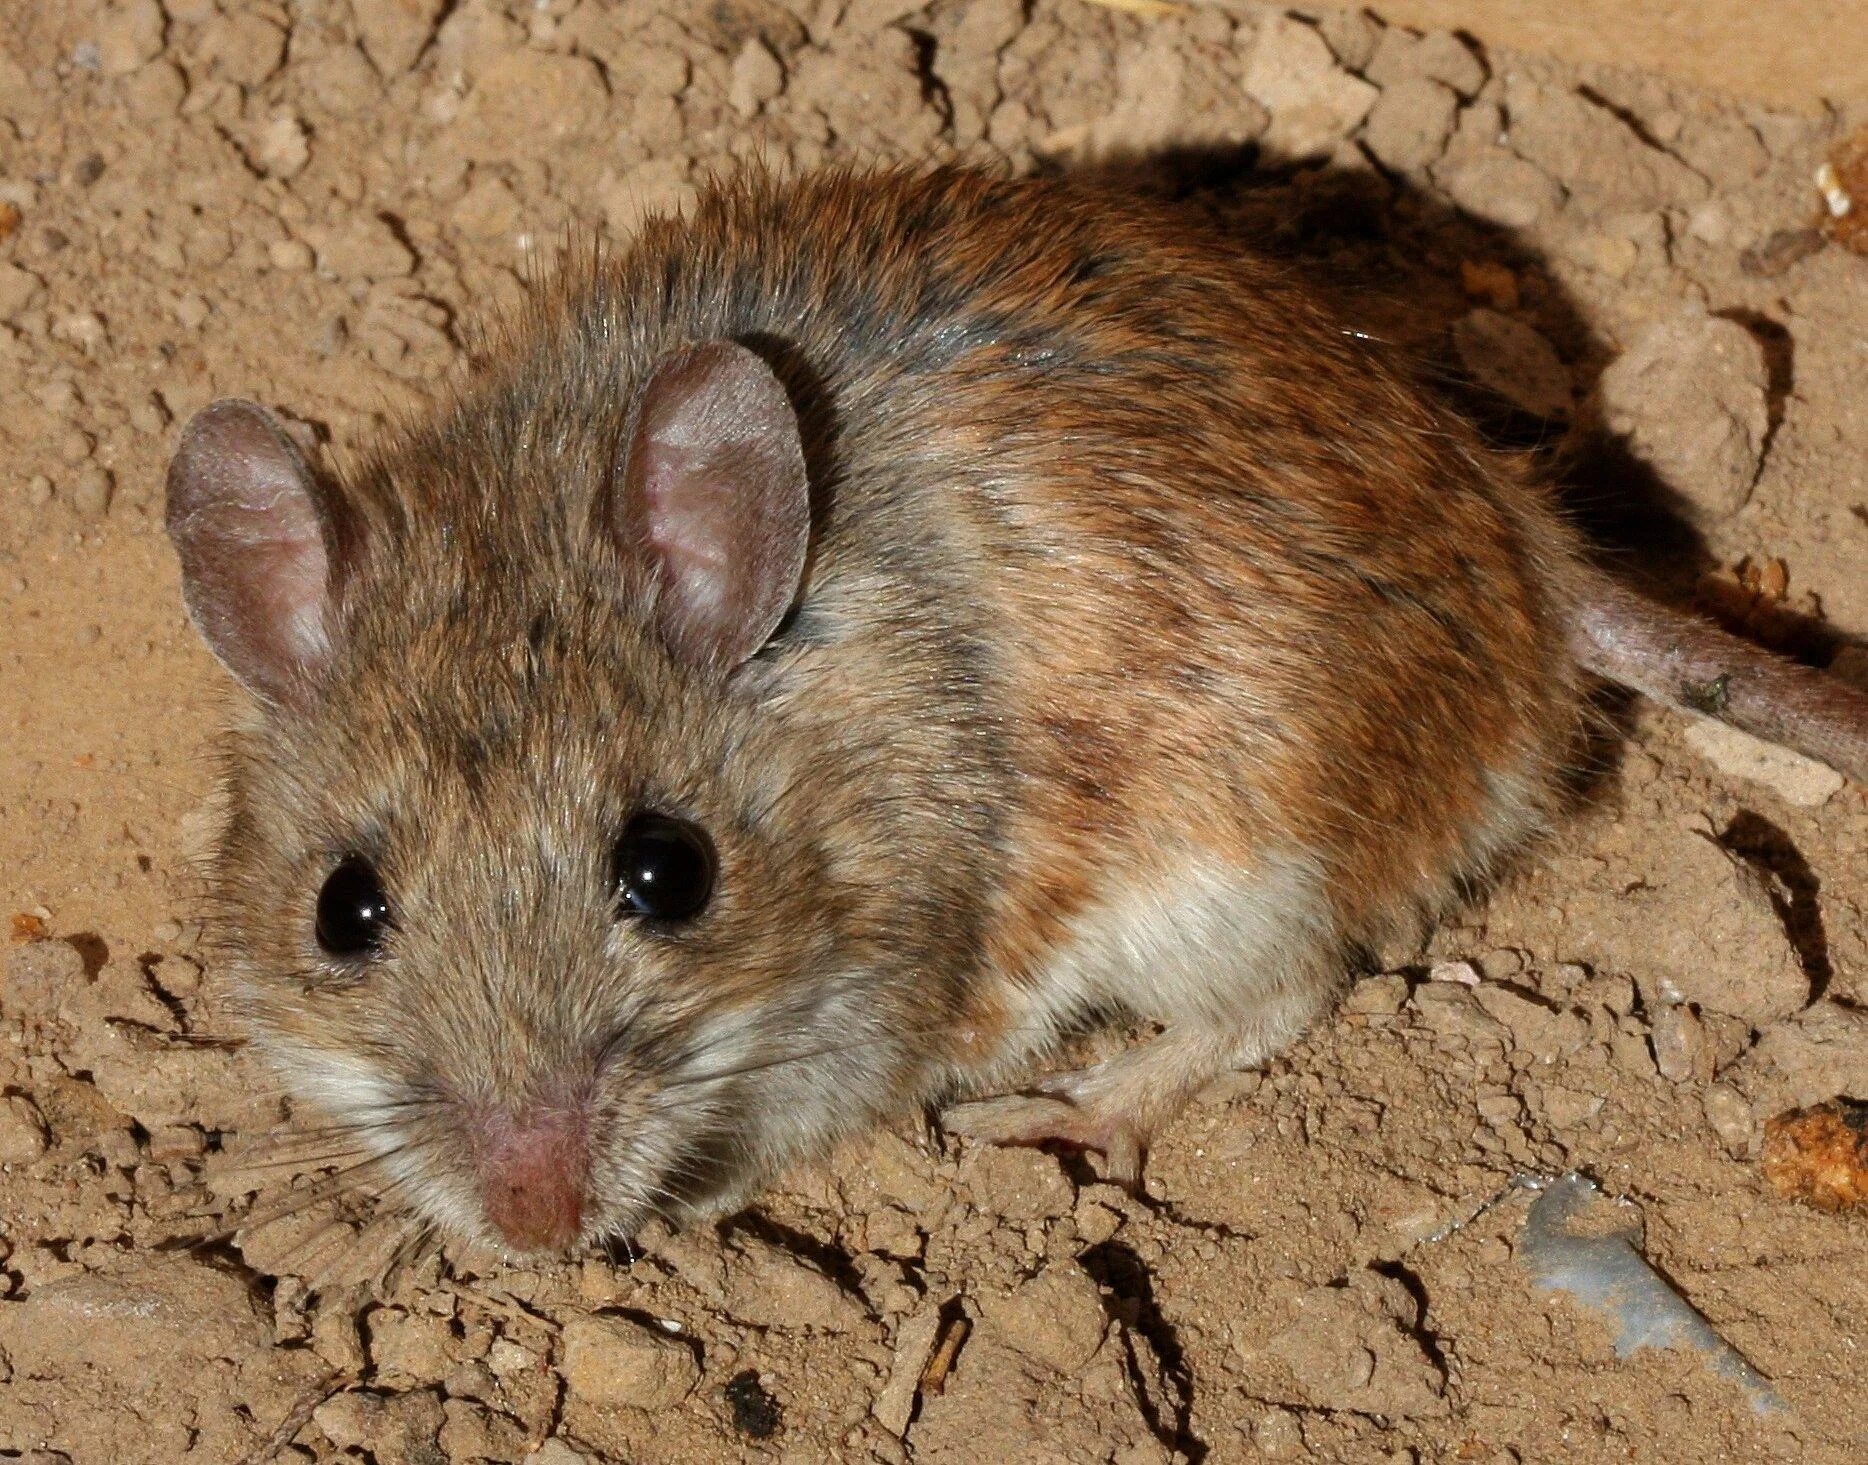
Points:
x=1035, y=1119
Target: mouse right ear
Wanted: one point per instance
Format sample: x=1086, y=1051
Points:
x=254, y=531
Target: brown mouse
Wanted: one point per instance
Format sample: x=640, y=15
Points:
x=840, y=643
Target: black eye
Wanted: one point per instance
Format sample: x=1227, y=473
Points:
x=664, y=868
x=353, y=912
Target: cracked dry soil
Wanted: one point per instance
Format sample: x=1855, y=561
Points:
x=305, y=201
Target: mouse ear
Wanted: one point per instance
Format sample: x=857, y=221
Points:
x=715, y=490
x=253, y=528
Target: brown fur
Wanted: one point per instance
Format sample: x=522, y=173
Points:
x=1123, y=557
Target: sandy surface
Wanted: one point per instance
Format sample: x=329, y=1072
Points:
x=285, y=202
x=1794, y=53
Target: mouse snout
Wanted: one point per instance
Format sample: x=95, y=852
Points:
x=534, y=1172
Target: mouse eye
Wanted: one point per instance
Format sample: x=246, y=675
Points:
x=353, y=912
x=664, y=868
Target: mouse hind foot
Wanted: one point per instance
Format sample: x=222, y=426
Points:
x=1117, y=1107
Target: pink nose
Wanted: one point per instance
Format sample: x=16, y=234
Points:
x=533, y=1171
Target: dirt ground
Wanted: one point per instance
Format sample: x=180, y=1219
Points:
x=305, y=203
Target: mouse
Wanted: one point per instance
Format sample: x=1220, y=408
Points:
x=835, y=646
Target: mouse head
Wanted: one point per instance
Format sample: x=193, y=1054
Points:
x=546, y=875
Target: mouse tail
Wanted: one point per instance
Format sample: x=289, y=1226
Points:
x=1686, y=662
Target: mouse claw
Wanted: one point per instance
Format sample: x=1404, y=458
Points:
x=1035, y=1119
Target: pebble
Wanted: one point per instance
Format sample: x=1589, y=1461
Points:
x=1499, y=188
x=283, y=148
x=407, y=1348
x=20, y=290
x=403, y=1429
x=1730, y=1117
x=22, y=1131
x=1314, y=103
x=1380, y=996
x=1408, y=127
x=394, y=34
x=243, y=47
x=756, y=77
x=914, y=1346
x=91, y=492
x=1689, y=396
x=1019, y=1184
x=291, y=255
x=1056, y=1319
x=770, y=1288
x=129, y=34
x=1682, y=1051
x=612, y=1362
x=556, y=1452
x=1795, y=779
x=362, y=247
x=1509, y=358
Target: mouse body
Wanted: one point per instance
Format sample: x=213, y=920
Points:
x=827, y=652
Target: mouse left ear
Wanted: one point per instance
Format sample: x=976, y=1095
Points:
x=714, y=489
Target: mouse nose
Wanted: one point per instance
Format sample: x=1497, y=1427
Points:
x=534, y=1168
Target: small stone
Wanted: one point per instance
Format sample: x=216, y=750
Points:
x=129, y=35
x=1535, y=1029
x=91, y=492
x=1443, y=57
x=1354, y=1347
x=291, y=255
x=403, y=1429
x=1019, y=1184
x=362, y=247
x=1795, y=779
x=156, y=92
x=914, y=1346
x=19, y=290
x=1507, y=357
x=471, y=1431
x=1689, y=396
x=1730, y=1117
x=22, y=1131
x=1408, y=127
x=408, y=1348
x=1379, y=996
x=1352, y=34
x=489, y=208
x=39, y=977
x=756, y=77
x=612, y=1362
x=1682, y=1051
x=283, y=147
x=1567, y=1108
x=502, y=118
x=1498, y=188
x=1279, y=1435
x=394, y=32
x=556, y=1452
x=1056, y=1319
x=771, y=1288
x=243, y=47
x=1314, y=104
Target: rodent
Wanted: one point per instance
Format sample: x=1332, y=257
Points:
x=840, y=642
